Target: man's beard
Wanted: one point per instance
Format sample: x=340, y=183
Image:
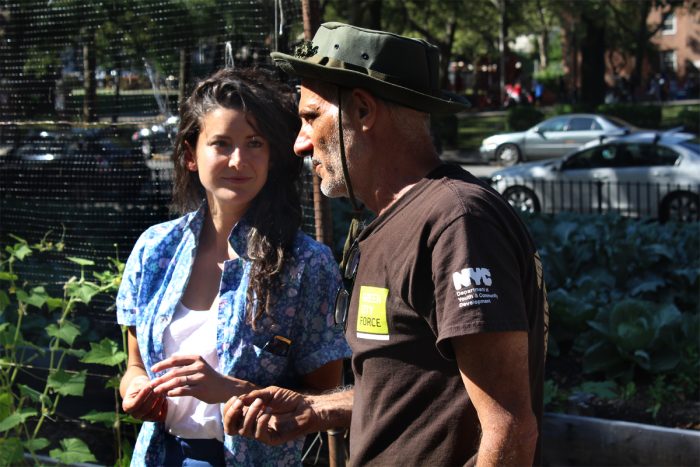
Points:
x=333, y=185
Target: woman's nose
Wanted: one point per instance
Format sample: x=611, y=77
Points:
x=303, y=146
x=235, y=158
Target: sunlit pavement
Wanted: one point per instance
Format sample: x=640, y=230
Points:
x=469, y=160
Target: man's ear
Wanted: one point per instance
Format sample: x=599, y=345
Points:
x=364, y=108
x=190, y=159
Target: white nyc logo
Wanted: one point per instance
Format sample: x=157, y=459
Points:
x=465, y=277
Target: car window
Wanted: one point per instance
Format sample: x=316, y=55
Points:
x=582, y=124
x=555, y=124
x=662, y=155
x=583, y=160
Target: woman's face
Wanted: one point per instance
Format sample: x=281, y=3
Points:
x=232, y=160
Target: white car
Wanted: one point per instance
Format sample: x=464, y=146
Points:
x=551, y=138
x=643, y=174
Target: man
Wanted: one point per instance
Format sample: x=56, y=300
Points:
x=447, y=313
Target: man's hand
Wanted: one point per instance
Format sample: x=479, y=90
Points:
x=141, y=402
x=272, y=415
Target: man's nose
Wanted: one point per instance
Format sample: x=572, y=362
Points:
x=303, y=146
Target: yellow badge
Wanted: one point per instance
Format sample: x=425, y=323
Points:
x=371, y=315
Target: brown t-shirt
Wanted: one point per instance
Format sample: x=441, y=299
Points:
x=449, y=258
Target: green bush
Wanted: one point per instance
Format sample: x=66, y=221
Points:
x=550, y=76
x=561, y=109
x=642, y=116
x=521, y=118
x=38, y=328
x=689, y=118
x=623, y=294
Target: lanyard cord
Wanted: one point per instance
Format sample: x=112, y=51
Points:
x=355, y=224
x=343, y=160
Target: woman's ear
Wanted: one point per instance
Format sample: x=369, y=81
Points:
x=190, y=159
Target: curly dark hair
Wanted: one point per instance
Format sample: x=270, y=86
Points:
x=275, y=213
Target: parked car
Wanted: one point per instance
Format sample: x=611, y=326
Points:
x=551, y=138
x=157, y=141
x=643, y=174
x=84, y=164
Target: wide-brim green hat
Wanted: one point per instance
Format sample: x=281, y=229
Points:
x=396, y=68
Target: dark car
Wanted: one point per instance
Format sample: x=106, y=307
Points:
x=81, y=164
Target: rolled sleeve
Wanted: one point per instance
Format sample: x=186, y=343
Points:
x=321, y=340
x=127, y=297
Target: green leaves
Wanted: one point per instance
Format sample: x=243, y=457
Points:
x=67, y=331
x=82, y=291
x=28, y=315
x=81, y=261
x=11, y=452
x=72, y=451
x=16, y=418
x=106, y=352
x=106, y=418
x=67, y=384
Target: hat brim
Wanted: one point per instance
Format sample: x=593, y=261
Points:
x=354, y=79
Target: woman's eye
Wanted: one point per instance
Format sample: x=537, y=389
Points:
x=255, y=143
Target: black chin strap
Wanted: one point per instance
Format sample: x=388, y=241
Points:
x=356, y=223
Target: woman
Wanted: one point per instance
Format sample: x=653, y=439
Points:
x=232, y=295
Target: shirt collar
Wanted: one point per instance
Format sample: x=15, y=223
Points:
x=238, y=238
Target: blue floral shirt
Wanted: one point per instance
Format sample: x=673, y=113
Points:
x=154, y=280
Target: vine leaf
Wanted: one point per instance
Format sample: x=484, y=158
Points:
x=67, y=332
x=72, y=451
x=105, y=352
x=67, y=384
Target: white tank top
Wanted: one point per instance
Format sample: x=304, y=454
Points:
x=193, y=333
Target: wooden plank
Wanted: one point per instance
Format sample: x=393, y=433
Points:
x=570, y=440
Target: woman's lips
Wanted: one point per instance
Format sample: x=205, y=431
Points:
x=237, y=179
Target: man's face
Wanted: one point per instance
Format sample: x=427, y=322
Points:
x=318, y=138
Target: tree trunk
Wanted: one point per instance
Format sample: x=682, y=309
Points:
x=640, y=47
x=503, y=48
x=117, y=87
x=543, y=45
x=543, y=37
x=593, y=63
x=184, y=73
x=446, y=53
x=375, y=14
x=89, y=84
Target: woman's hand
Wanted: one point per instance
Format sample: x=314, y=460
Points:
x=191, y=375
x=140, y=401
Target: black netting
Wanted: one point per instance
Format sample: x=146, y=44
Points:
x=88, y=96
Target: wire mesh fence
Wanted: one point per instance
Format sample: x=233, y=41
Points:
x=89, y=91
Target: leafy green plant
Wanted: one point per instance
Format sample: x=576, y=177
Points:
x=24, y=409
x=623, y=298
x=635, y=333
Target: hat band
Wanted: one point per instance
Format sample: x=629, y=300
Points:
x=329, y=62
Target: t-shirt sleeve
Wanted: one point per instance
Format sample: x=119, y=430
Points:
x=320, y=340
x=127, y=297
x=477, y=280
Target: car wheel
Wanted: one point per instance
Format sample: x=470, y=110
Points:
x=680, y=206
x=507, y=155
x=522, y=199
